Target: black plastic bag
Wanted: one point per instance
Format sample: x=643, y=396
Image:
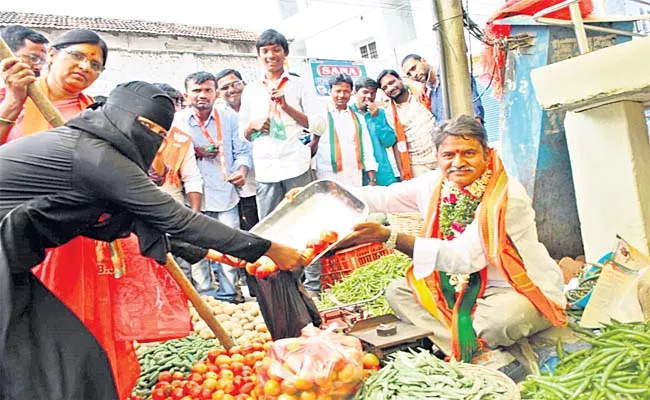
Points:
x=285, y=305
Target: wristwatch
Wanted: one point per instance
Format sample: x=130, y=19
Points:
x=373, y=180
x=391, y=242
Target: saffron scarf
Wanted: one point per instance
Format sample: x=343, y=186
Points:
x=335, y=145
x=34, y=121
x=402, y=146
x=456, y=308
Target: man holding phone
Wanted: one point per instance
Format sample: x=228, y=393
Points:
x=224, y=161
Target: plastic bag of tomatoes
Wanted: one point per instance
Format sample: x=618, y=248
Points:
x=319, y=365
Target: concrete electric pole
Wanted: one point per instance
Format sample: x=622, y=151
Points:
x=457, y=80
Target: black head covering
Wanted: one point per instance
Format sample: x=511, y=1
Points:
x=130, y=100
x=78, y=36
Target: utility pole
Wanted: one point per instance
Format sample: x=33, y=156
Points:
x=457, y=80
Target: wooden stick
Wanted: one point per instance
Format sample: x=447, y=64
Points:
x=203, y=309
x=45, y=106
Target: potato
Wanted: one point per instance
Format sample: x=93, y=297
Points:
x=237, y=333
x=229, y=309
x=206, y=333
x=222, y=317
x=249, y=327
x=238, y=315
x=261, y=328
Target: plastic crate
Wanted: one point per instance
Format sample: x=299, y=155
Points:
x=343, y=262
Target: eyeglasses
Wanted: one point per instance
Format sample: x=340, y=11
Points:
x=235, y=85
x=95, y=65
x=33, y=59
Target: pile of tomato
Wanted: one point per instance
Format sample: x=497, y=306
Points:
x=341, y=381
x=225, y=375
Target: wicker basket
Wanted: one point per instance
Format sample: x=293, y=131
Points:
x=410, y=223
x=510, y=387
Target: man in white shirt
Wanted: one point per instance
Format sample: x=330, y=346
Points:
x=272, y=118
x=345, y=147
x=479, y=271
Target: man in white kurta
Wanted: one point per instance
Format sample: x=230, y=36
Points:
x=502, y=315
x=354, y=143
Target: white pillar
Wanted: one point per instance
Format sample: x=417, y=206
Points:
x=610, y=159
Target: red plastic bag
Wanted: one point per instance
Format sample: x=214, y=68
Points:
x=146, y=285
x=318, y=363
x=72, y=273
x=82, y=275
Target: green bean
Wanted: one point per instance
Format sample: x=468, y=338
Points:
x=617, y=366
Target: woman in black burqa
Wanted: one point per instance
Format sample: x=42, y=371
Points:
x=57, y=185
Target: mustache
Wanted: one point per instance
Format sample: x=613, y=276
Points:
x=462, y=169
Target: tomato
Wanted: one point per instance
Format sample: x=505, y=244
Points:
x=211, y=375
x=195, y=377
x=288, y=387
x=228, y=396
x=237, y=357
x=210, y=383
x=165, y=376
x=218, y=395
x=178, y=376
x=285, y=396
x=177, y=383
x=187, y=398
x=303, y=383
x=349, y=373
x=158, y=394
x=227, y=374
x=329, y=236
x=234, y=350
x=206, y=394
x=272, y=388
x=213, y=353
x=308, y=395
x=200, y=367
x=237, y=367
x=370, y=360
x=251, y=268
x=249, y=359
x=242, y=397
x=177, y=393
x=247, y=388
x=223, y=359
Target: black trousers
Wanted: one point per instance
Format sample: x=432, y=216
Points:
x=248, y=217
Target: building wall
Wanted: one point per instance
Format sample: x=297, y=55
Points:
x=167, y=59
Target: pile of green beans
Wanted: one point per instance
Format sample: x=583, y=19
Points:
x=366, y=282
x=420, y=375
x=617, y=366
x=173, y=355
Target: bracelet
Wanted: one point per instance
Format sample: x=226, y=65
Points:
x=373, y=180
x=7, y=121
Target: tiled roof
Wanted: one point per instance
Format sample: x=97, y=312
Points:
x=124, y=25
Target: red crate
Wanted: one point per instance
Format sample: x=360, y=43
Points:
x=343, y=262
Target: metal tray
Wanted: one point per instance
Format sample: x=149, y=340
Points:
x=321, y=205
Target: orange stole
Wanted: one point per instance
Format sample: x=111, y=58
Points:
x=498, y=247
x=34, y=121
x=171, y=154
